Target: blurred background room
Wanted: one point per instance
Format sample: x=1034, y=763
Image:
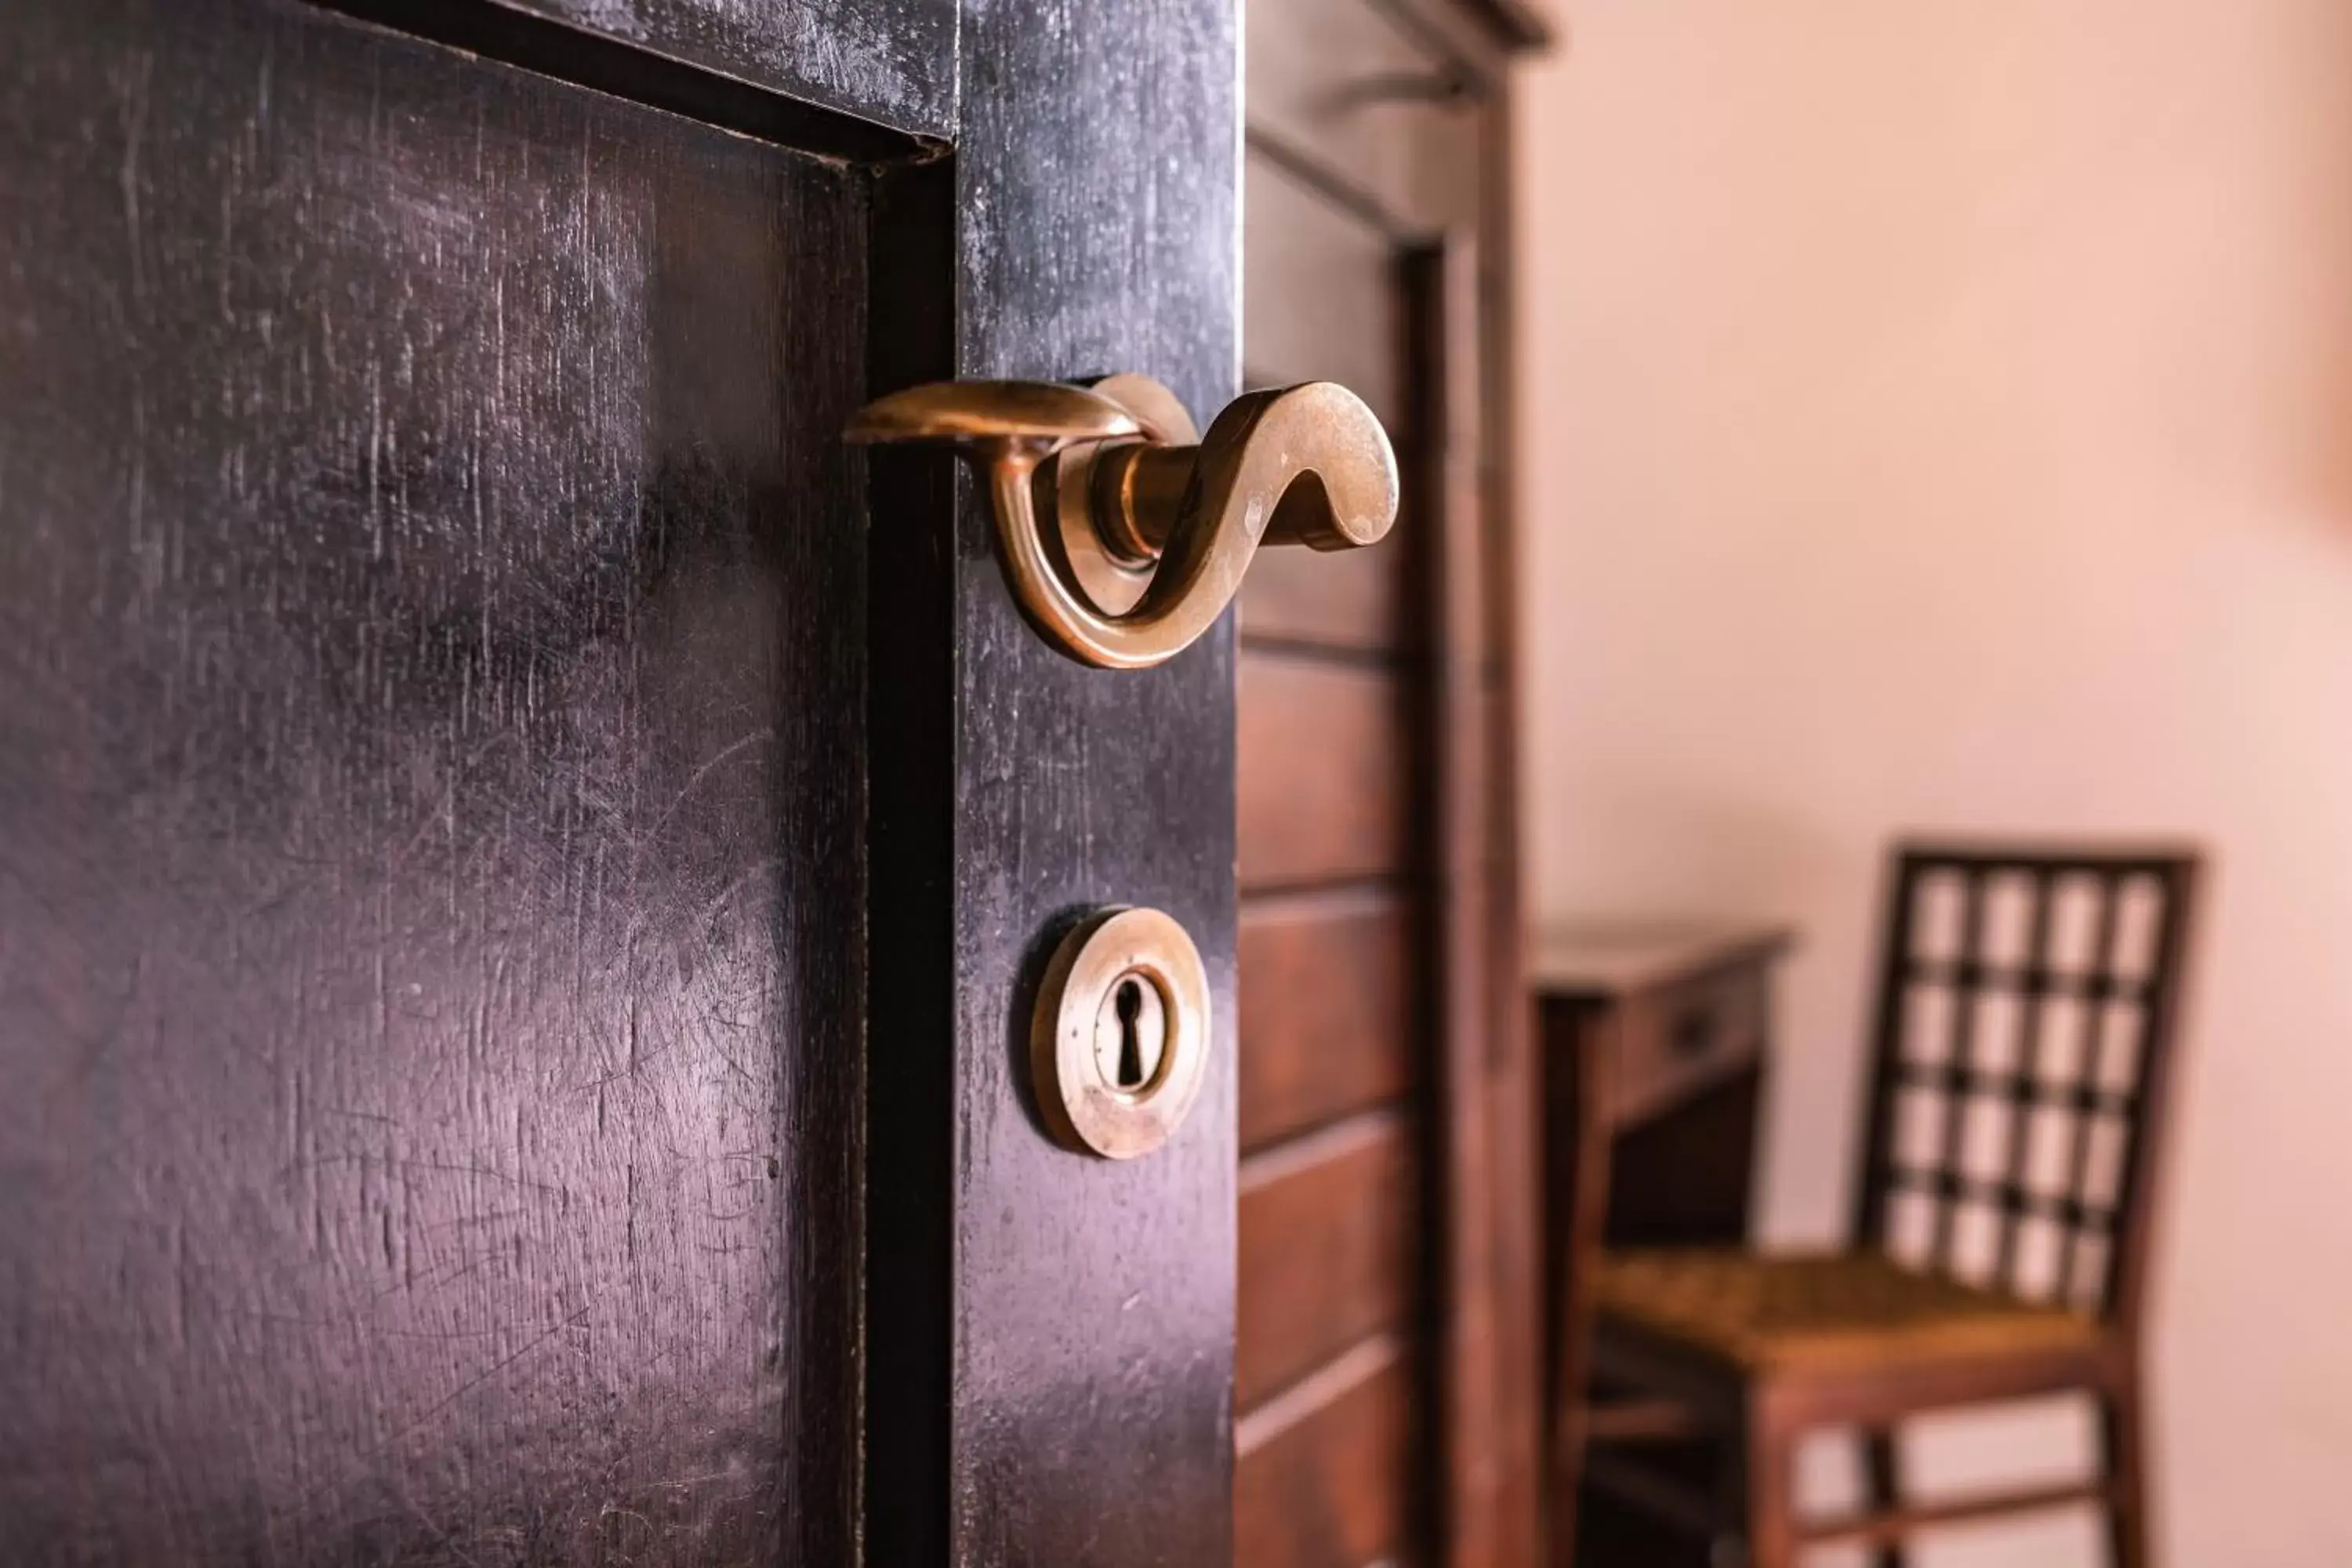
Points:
x=1919, y=425
x=1933, y=419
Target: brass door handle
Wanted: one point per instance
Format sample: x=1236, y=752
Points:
x=1152, y=525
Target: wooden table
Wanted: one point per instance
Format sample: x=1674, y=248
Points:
x=1656, y=1040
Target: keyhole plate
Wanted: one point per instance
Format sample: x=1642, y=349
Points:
x=1119, y=1044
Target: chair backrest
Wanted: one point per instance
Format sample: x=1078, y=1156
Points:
x=2025, y=1022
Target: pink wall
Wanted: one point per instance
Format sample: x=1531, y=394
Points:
x=1938, y=415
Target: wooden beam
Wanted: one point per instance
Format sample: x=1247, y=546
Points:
x=1901, y=1523
x=1640, y=1421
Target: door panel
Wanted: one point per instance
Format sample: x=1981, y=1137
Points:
x=1317, y=1484
x=1359, y=602
x=1327, y=1007
x=1334, y=275
x=430, y=807
x=1325, y=787
x=523, y=862
x=1328, y=1230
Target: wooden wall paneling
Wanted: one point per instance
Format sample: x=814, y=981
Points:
x=1324, y=780
x=1329, y=999
x=1325, y=280
x=1328, y=1248
x=1359, y=602
x=1370, y=747
x=1330, y=311
x=1376, y=102
x=1320, y=258
x=1316, y=1487
x=1332, y=1247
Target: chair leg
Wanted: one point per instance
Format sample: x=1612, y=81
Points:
x=1883, y=1488
x=2123, y=1429
x=1763, y=1486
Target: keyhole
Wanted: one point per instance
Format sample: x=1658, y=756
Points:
x=1130, y=1035
x=1130, y=1046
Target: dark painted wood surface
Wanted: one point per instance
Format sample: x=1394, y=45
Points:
x=430, y=824
x=1078, y=1311
x=887, y=60
x=475, y=862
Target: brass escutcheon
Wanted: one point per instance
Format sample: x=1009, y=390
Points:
x=1119, y=1046
x=1153, y=527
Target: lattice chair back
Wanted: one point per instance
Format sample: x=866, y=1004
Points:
x=2027, y=1005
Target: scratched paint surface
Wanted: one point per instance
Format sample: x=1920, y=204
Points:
x=430, y=888
x=889, y=61
x=1094, y=1300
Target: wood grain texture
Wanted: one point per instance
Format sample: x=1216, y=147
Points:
x=430, y=809
x=1324, y=1480
x=1084, y=1308
x=885, y=60
x=1328, y=1010
x=1328, y=1250
x=1327, y=771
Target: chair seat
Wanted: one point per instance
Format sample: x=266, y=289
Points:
x=1823, y=1311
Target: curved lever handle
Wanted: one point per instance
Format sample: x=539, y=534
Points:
x=1152, y=533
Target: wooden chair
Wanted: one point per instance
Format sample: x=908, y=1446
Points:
x=2024, y=1020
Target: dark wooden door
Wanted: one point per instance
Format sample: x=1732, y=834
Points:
x=521, y=857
